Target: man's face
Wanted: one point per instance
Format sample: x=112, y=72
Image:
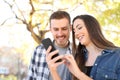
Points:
x=60, y=29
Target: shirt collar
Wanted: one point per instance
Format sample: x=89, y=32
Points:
x=107, y=51
x=104, y=52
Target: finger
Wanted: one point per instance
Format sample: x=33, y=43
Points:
x=53, y=64
x=49, y=55
x=48, y=50
x=55, y=59
x=52, y=53
x=69, y=58
x=59, y=63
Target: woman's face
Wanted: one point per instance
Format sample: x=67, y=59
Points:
x=81, y=32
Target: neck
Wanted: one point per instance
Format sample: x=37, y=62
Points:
x=92, y=49
x=62, y=46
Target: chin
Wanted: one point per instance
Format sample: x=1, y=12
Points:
x=82, y=43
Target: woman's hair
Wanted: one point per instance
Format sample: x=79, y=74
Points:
x=96, y=36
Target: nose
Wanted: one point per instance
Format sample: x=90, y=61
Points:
x=76, y=32
x=60, y=32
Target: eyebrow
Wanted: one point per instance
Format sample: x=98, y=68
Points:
x=77, y=25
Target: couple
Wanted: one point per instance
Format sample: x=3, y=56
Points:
x=94, y=58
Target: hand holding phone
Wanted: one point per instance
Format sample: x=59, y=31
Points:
x=47, y=42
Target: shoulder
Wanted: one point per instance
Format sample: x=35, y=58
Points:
x=39, y=50
x=40, y=47
x=117, y=53
x=116, y=50
x=39, y=53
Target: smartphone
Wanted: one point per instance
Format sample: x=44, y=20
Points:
x=47, y=42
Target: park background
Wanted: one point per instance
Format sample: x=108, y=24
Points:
x=24, y=23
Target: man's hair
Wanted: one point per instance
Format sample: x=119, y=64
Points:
x=60, y=15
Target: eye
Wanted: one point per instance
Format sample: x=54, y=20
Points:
x=64, y=28
x=79, y=27
x=55, y=29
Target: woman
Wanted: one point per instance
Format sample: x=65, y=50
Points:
x=96, y=57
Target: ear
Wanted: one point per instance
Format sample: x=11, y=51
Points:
x=50, y=28
x=70, y=27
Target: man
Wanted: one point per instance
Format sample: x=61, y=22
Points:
x=60, y=28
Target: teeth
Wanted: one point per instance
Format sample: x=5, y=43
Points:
x=80, y=37
x=61, y=38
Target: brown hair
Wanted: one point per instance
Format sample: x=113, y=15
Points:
x=60, y=15
x=96, y=36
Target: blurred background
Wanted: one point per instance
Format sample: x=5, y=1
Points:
x=24, y=23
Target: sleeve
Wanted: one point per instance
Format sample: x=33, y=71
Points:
x=38, y=68
x=31, y=70
x=118, y=70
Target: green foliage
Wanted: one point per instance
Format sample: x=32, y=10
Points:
x=9, y=77
x=111, y=15
x=107, y=13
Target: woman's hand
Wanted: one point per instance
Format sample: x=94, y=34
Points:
x=71, y=64
x=74, y=69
